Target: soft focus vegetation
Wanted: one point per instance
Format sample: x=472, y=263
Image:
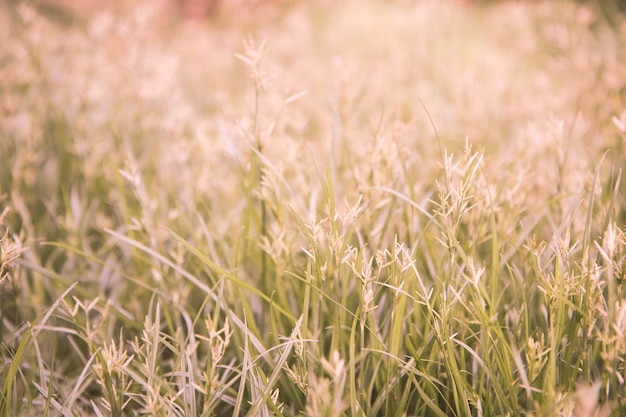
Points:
x=313, y=208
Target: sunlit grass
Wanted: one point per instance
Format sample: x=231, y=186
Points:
x=365, y=209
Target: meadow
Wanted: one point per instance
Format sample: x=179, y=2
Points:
x=359, y=208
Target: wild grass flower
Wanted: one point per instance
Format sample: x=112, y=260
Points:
x=116, y=357
x=325, y=393
x=10, y=250
x=536, y=357
x=218, y=339
x=254, y=59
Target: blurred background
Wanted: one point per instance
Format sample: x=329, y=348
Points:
x=73, y=11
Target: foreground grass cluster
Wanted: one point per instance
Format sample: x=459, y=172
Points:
x=373, y=209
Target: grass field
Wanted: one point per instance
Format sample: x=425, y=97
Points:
x=409, y=208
